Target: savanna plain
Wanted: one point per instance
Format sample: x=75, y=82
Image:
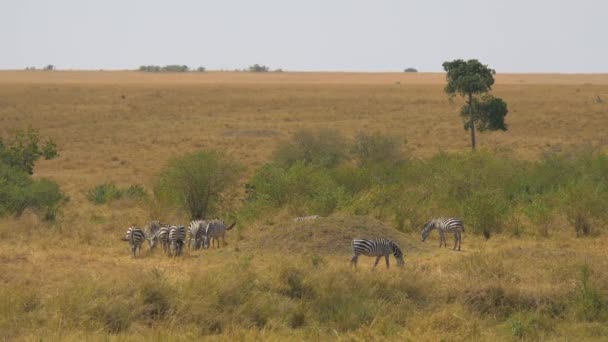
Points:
x=533, y=260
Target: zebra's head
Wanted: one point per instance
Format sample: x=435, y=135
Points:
x=127, y=236
x=426, y=230
x=152, y=242
x=398, y=255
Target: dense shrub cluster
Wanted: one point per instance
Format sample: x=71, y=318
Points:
x=371, y=175
x=18, y=190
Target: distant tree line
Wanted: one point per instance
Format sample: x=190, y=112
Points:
x=258, y=68
x=168, y=68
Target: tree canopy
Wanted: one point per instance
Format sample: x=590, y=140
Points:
x=473, y=81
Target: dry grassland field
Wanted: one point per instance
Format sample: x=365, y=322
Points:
x=278, y=280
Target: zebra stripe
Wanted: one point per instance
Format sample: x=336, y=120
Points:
x=445, y=225
x=197, y=233
x=378, y=248
x=162, y=236
x=214, y=230
x=306, y=218
x=177, y=236
x=136, y=237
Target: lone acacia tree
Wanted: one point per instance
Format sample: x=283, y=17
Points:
x=473, y=81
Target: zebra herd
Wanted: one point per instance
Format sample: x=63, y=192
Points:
x=202, y=234
x=384, y=248
x=173, y=238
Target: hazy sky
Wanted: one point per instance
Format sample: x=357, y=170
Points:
x=371, y=35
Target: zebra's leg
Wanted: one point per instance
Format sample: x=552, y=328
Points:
x=377, y=260
x=459, y=240
x=441, y=238
x=455, y=240
x=387, y=262
x=353, y=261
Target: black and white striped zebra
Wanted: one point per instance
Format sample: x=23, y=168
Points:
x=378, y=248
x=306, y=218
x=445, y=225
x=177, y=237
x=136, y=237
x=215, y=230
x=161, y=236
x=197, y=233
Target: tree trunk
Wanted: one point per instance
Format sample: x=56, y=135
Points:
x=472, y=121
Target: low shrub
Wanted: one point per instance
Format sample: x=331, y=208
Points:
x=108, y=192
x=200, y=184
x=326, y=149
x=19, y=191
x=104, y=193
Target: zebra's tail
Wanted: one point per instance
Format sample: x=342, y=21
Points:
x=231, y=226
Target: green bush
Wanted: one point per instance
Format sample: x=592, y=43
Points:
x=23, y=150
x=18, y=192
x=107, y=192
x=327, y=148
x=200, y=183
x=104, y=193
x=302, y=189
x=135, y=192
x=314, y=173
x=376, y=148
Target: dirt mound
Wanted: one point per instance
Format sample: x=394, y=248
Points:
x=326, y=235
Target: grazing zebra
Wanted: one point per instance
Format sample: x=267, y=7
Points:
x=162, y=236
x=378, y=248
x=136, y=238
x=214, y=230
x=445, y=225
x=197, y=233
x=177, y=236
x=306, y=218
x=153, y=227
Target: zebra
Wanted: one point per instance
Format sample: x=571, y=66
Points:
x=306, y=218
x=162, y=236
x=445, y=225
x=214, y=230
x=197, y=232
x=378, y=248
x=177, y=236
x=136, y=238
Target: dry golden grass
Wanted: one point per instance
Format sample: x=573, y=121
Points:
x=123, y=127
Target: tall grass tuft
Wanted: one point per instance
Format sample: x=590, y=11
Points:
x=590, y=304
